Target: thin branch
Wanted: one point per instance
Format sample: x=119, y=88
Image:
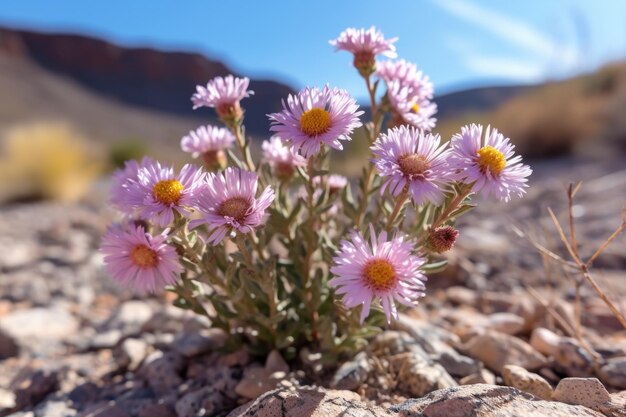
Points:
x=563, y=238
x=606, y=243
x=571, y=192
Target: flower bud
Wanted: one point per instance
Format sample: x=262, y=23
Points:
x=442, y=239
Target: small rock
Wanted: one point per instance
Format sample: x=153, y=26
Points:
x=54, y=409
x=507, y=323
x=417, y=377
x=462, y=296
x=613, y=373
x=588, y=392
x=106, y=339
x=130, y=317
x=518, y=377
x=351, y=375
x=194, y=344
x=544, y=341
x=484, y=376
x=255, y=382
x=7, y=399
x=457, y=364
x=130, y=353
x=162, y=371
x=275, y=362
x=499, y=349
x=157, y=410
x=310, y=402
x=206, y=401
x=571, y=359
x=431, y=338
x=84, y=394
x=482, y=400
x=105, y=409
x=8, y=346
x=36, y=388
x=39, y=323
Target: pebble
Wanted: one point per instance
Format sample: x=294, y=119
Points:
x=498, y=349
x=588, y=392
x=518, y=377
x=39, y=323
x=507, y=323
x=194, y=344
x=130, y=353
x=130, y=316
x=457, y=364
x=571, y=359
x=255, y=382
x=484, y=376
x=162, y=371
x=206, y=401
x=613, y=373
x=352, y=374
x=8, y=345
x=275, y=362
x=35, y=388
x=544, y=341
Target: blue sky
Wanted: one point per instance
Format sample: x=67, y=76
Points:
x=458, y=43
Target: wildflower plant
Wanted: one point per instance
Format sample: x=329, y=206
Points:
x=282, y=253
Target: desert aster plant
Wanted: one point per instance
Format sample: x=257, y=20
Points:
x=225, y=95
x=365, y=44
x=314, y=117
x=158, y=192
x=384, y=270
x=413, y=162
x=228, y=204
x=139, y=260
x=409, y=107
x=283, y=158
x=488, y=163
x=123, y=179
x=210, y=142
x=406, y=74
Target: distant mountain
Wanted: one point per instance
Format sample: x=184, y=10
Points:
x=143, y=77
x=476, y=99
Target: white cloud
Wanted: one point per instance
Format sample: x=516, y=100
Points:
x=544, y=54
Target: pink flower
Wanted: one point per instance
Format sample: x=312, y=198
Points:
x=381, y=270
x=409, y=107
x=314, y=117
x=207, y=139
x=139, y=260
x=123, y=179
x=408, y=157
x=407, y=74
x=224, y=94
x=489, y=163
x=365, y=45
x=369, y=40
x=281, y=157
x=228, y=203
x=157, y=192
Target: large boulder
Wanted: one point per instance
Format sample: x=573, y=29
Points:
x=483, y=400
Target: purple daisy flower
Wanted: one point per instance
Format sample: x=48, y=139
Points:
x=408, y=157
x=224, y=94
x=409, y=107
x=365, y=44
x=228, y=203
x=123, y=179
x=210, y=142
x=158, y=192
x=281, y=157
x=488, y=163
x=139, y=260
x=407, y=74
x=382, y=269
x=314, y=117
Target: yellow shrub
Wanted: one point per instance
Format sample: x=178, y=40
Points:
x=45, y=160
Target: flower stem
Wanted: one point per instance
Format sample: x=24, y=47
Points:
x=400, y=200
x=443, y=217
x=244, y=147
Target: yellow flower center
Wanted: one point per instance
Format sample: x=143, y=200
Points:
x=235, y=207
x=168, y=191
x=413, y=164
x=315, y=122
x=415, y=108
x=489, y=158
x=144, y=257
x=379, y=274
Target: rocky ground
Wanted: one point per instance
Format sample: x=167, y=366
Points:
x=493, y=337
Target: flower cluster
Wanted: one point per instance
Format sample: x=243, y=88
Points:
x=284, y=252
